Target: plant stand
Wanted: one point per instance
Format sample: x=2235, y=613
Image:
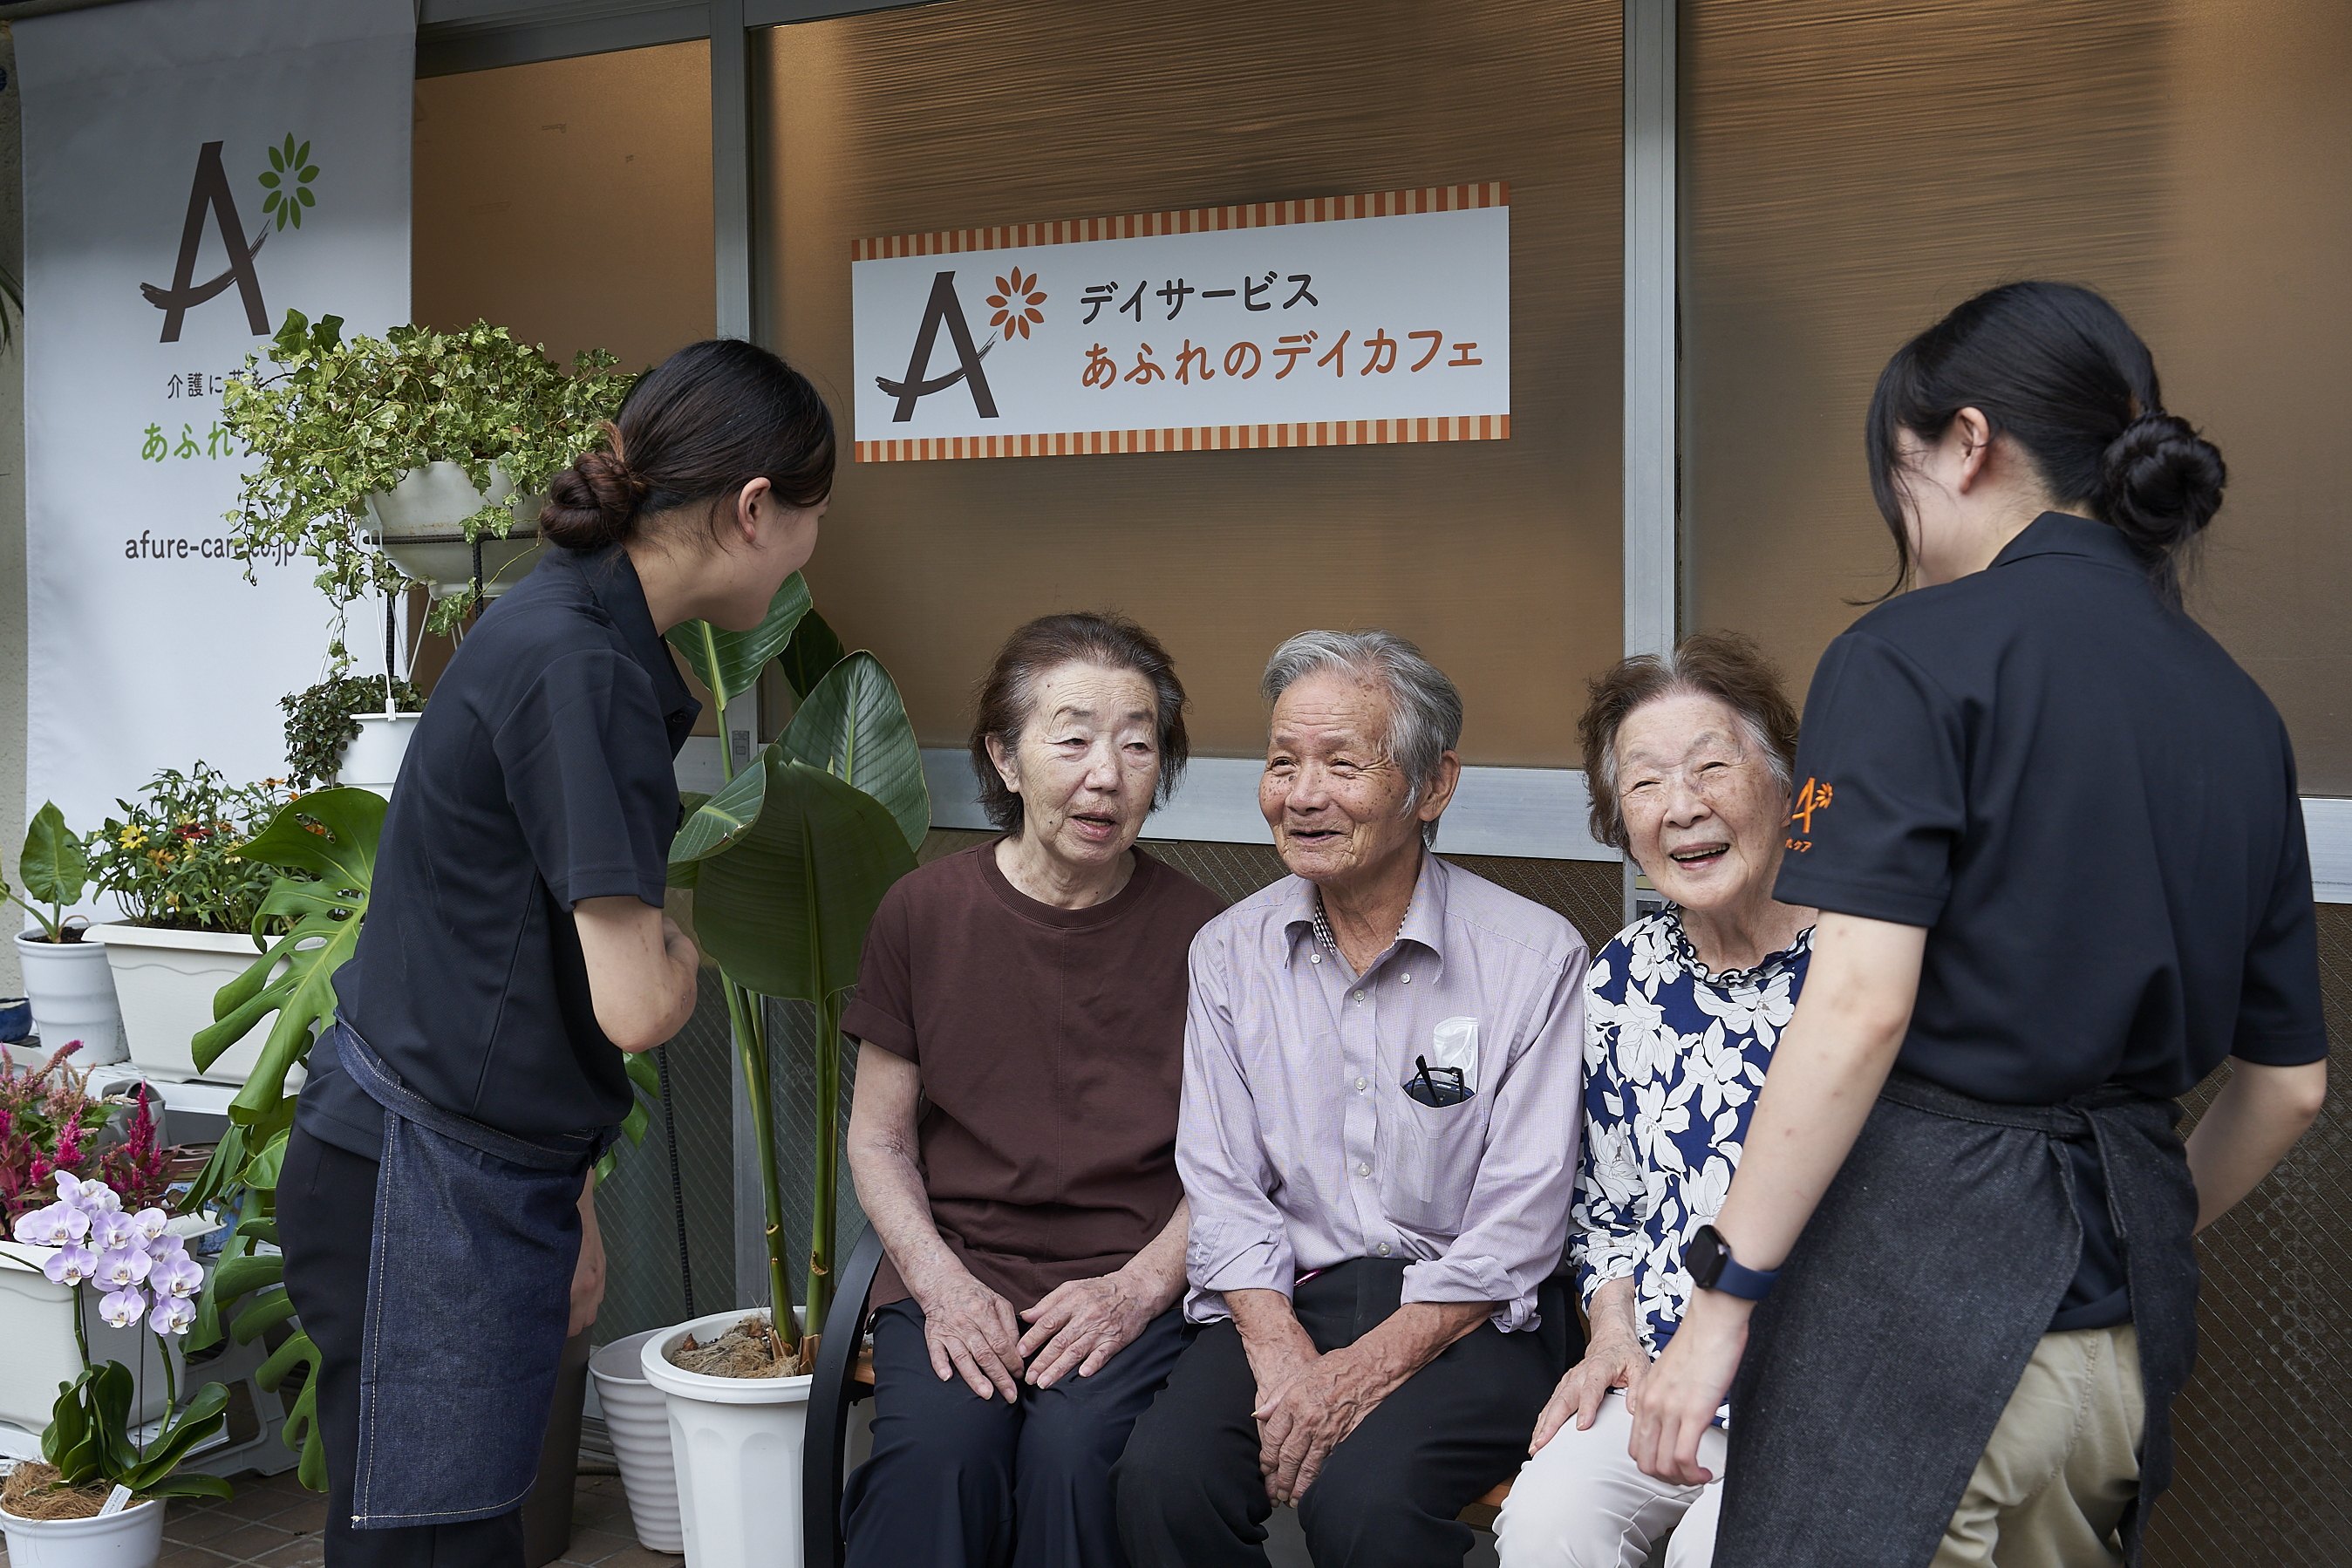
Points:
x=132, y=1539
x=736, y=1444
x=73, y=992
x=636, y=1414
x=419, y=521
x=166, y=981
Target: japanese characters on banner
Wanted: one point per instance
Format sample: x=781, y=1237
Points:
x=1340, y=320
x=193, y=169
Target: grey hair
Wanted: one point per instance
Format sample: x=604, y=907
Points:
x=1425, y=708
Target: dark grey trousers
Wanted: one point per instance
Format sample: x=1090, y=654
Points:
x=1189, y=1494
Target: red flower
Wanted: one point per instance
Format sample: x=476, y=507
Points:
x=1016, y=301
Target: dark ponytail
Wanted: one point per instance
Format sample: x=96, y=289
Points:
x=2056, y=368
x=697, y=428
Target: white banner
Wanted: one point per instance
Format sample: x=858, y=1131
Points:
x=1340, y=320
x=154, y=261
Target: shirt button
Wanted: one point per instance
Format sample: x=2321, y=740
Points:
x=1314, y=958
x=1382, y=1249
x=1363, y=1167
x=1362, y=1084
x=1407, y=979
x=1360, y=998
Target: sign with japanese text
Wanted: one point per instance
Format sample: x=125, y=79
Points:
x=1340, y=320
x=193, y=169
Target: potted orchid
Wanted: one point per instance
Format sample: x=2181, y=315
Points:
x=96, y=1494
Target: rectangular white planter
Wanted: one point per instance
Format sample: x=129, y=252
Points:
x=165, y=981
x=36, y=1328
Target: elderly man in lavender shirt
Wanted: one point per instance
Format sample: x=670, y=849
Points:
x=1381, y=1066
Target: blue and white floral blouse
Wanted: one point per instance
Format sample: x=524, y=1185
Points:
x=1673, y=1059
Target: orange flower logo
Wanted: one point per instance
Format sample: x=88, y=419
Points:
x=1016, y=301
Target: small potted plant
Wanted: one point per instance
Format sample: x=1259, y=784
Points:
x=439, y=445
x=67, y=978
x=96, y=1495
x=189, y=902
x=350, y=729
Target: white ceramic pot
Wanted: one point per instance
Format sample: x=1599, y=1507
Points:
x=166, y=981
x=373, y=761
x=735, y=1444
x=636, y=1414
x=132, y=1539
x=420, y=522
x=73, y=992
x=37, y=1328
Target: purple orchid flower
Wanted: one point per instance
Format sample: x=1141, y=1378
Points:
x=111, y=1230
x=174, y=1314
x=70, y=1264
x=150, y=1223
x=122, y=1308
x=175, y=1275
x=58, y=1224
x=123, y=1266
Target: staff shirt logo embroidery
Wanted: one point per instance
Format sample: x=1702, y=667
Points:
x=1814, y=796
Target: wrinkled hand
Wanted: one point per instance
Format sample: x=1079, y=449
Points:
x=1083, y=1324
x=1687, y=1387
x=588, y=1273
x=1613, y=1360
x=970, y=1328
x=1310, y=1414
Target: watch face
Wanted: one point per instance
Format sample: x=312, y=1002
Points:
x=1705, y=1256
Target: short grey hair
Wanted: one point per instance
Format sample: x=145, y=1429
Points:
x=1425, y=708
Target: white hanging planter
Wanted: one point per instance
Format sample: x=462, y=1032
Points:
x=132, y=1539
x=166, y=981
x=420, y=522
x=636, y=1415
x=373, y=761
x=735, y=1444
x=72, y=993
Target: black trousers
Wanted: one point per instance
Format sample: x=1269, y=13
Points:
x=326, y=1223
x=1189, y=1494
x=959, y=1481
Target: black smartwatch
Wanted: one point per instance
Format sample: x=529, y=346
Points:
x=1712, y=1267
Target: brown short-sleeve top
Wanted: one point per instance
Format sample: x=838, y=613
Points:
x=1051, y=1048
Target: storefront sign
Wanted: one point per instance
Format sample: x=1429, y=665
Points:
x=193, y=170
x=1342, y=320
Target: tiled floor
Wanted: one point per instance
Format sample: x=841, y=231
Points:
x=274, y=1523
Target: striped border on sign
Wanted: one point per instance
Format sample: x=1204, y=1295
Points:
x=1192, y=438
x=1192, y=220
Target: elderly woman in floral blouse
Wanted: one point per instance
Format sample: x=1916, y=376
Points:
x=1688, y=757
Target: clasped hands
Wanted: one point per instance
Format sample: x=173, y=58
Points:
x=1308, y=1403
x=972, y=1330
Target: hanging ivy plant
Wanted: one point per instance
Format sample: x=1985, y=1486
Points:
x=321, y=721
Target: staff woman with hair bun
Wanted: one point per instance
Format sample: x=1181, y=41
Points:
x=2053, y=834
x=436, y=1202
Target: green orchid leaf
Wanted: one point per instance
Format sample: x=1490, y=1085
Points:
x=784, y=907
x=728, y=662
x=205, y=1413
x=810, y=657
x=54, y=865
x=192, y=1486
x=854, y=726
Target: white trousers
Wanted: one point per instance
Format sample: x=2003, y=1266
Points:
x=1582, y=1502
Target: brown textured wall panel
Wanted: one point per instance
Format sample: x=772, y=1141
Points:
x=1853, y=171
x=1500, y=558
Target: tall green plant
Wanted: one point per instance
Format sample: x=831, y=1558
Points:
x=788, y=864
x=55, y=870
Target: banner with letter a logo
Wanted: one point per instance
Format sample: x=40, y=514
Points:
x=1335, y=322
x=193, y=169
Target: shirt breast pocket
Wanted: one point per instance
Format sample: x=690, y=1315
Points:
x=1431, y=1160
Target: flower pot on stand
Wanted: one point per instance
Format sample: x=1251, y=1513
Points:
x=132, y=1539
x=166, y=981
x=735, y=1443
x=373, y=761
x=636, y=1414
x=420, y=522
x=72, y=991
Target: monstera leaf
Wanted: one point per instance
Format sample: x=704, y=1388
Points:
x=729, y=662
x=790, y=862
x=854, y=726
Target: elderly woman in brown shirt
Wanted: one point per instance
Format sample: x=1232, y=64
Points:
x=1020, y=1015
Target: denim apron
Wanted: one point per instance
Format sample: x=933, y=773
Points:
x=469, y=1293
x=1878, y=1367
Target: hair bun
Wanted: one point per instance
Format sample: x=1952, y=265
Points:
x=591, y=503
x=2162, y=482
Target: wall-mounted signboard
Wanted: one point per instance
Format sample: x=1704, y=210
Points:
x=1339, y=320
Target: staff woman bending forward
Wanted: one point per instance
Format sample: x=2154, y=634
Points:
x=435, y=1200
x=2054, y=834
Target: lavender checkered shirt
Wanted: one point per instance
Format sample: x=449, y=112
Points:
x=1298, y=1145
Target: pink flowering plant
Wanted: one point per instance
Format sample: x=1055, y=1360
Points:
x=145, y=1278
x=49, y=1123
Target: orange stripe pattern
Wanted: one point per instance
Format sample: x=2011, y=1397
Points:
x=1192, y=438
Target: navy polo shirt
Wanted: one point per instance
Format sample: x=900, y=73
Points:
x=2092, y=810
x=539, y=775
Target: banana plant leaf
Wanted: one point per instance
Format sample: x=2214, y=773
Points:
x=810, y=657
x=792, y=863
x=728, y=662
x=854, y=726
